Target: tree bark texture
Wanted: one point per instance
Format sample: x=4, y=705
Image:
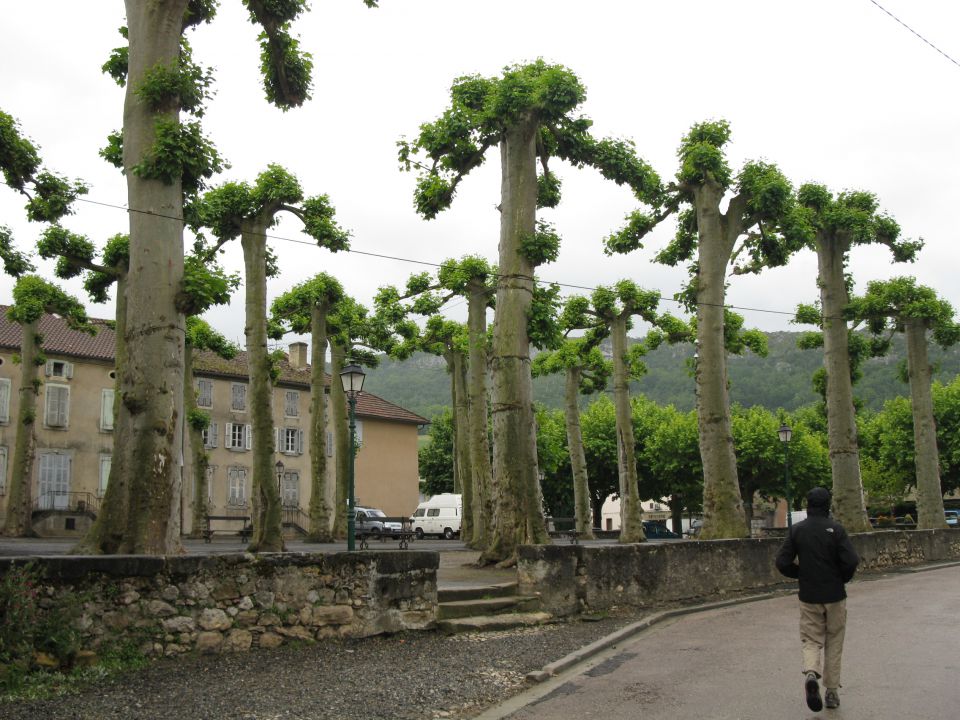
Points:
x=578, y=459
x=483, y=490
x=151, y=412
x=926, y=456
x=722, y=506
x=519, y=511
x=463, y=475
x=848, y=503
x=341, y=438
x=20, y=493
x=631, y=514
x=321, y=514
x=267, y=513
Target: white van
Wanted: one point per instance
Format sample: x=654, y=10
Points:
x=440, y=515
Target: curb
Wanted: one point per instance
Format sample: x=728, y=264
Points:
x=627, y=632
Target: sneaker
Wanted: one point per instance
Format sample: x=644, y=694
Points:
x=831, y=699
x=812, y=688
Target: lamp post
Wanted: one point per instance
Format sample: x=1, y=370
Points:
x=786, y=434
x=352, y=379
x=279, y=467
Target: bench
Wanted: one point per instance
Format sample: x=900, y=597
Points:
x=570, y=533
x=245, y=532
x=404, y=535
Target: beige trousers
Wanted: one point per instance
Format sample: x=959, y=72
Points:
x=821, y=638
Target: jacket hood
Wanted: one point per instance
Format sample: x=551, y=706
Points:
x=818, y=499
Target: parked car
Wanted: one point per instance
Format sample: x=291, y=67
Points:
x=952, y=517
x=658, y=531
x=374, y=522
x=441, y=515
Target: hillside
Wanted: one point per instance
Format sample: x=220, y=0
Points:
x=782, y=379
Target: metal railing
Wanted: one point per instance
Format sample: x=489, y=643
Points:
x=296, y=517
x=78, y=502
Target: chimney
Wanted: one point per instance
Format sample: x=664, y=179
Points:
x=298, y=355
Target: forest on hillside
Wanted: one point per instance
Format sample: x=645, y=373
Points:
x=782, y=379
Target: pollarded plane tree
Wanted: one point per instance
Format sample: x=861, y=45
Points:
x=165, y=158
x=200, y=337
x=304, y=310
x=835, y=225
x=34, y=297
x=585, y=372
x=472, y=278
x=757, y=230
x=530, y=112
x=249, y=211
x=900, y=305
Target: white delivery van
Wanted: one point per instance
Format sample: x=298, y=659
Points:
x=440, y=515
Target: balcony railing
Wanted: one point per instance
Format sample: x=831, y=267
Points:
x=78, y=502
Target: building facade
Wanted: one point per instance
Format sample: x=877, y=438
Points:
x=74, y=434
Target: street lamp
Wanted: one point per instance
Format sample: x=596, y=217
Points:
x=279, y=467
x=352, y=379
x=786, y=434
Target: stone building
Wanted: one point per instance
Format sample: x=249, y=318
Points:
x=74, y=434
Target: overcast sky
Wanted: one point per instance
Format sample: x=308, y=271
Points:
x=833, y=91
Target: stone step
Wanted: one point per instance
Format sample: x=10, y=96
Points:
x=476, y=592
x=505, y=621
x=487, y=606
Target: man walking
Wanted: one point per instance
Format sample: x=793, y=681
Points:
x=827, y=561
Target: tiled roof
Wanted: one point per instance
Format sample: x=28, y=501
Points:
x=58, y=339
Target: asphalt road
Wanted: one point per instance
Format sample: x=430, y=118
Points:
x=901, y=661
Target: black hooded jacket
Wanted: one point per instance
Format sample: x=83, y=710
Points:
x=826, y=557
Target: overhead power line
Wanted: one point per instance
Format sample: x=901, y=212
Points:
x=428, y=263
x=874, y=2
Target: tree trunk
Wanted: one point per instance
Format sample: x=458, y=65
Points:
x=483, y=490
x=320, y=511
x=341, y=438
x=929, y=496
x=631, y=514
x=198, y=452
x=722, y=506
x=267, y=513
x=151, y=412
x=20, y=495
x=676, y=504
x=578, y=459
x=519, y=513
x=463, y=475
x=848, y=503
x=106, y=534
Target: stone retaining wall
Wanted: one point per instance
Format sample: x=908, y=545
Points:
x=579, y=578
x=225, y=603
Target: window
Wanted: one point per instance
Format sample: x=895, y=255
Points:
x=3, y=470
x=238, y=397
x=54, y=474
x=210, y=436
x=204, y=393
x=291, y=403
x=4, y=400
x=59, y=368
x=106, y=409
x=291, y=441
x=236, y=486
x=57, y=407
x=105, y=462
x=359, y=433
x=433, y=512
x=291, y=489
x=237, y=436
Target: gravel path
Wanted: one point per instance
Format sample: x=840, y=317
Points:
x=422, y=675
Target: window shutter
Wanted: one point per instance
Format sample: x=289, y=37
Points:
x=228, y=435
x=48, y=368
x=106, y=409
x=359, y=435
x=4, y=400
x=63, y=407
x=299, y=442
x=68, y=370
x=329, y=444
x=277, y=438
x=248, y=433
x=212, y=434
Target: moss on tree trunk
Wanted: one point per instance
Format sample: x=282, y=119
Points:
x=631, y=514
x=483, y=489
x=578, y=459
x=20, y=493
x=321, y=519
